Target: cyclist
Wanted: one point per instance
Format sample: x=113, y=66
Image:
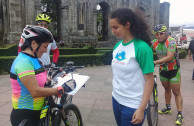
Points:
x=28, y=77
x=44, y=20
x=191, y=53
x=170, y=77
x=132, y=67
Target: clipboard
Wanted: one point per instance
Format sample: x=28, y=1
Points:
x=79, y=79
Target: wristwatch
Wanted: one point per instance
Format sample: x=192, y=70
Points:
x=60, y=91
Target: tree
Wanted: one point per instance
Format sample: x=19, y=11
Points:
x=54, y=11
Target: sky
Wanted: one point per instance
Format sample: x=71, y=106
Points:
x=181, y=12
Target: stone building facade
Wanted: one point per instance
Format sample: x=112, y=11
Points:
x=78, y=17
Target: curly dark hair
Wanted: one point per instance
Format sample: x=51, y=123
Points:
x=138, y=26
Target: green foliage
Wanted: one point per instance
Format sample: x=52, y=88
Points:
x=88, y=47
x=9, y=51
x=82, y=59
x=52, y=6
x=100, y=38
x=74, y=51
x=5, y=64
x=51, y=9
x=107, y=56
x=87, y=56
x=99, y=17
x=182, y=53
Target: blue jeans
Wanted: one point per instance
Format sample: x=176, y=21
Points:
x=123, y=114
x=193, y=74
x=193, y=69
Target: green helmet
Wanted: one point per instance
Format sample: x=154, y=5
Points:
x=159, y=28
x=43, y=17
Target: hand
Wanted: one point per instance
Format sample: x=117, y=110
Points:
x=64, y=75
x=53, y=64
x=138, y=117
x=60, y=91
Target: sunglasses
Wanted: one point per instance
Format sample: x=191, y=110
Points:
x=43, y=25
x=160, y=33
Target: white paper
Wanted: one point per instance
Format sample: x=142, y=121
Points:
x=79, y=79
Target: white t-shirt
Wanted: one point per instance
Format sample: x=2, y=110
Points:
x=129, y=64
x=45, y=59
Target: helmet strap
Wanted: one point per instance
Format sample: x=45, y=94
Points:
x=38, y=47
x=34, y=51
x=37, y=50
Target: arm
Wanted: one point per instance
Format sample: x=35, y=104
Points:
x=169, y=57
x=149, y=83
x=139, y=113
x=55, y=55
x=31, y=84
x=19, y=49
x=20, y=44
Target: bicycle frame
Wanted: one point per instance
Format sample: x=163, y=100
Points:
x=50, y=103
x=152, y=113
x=53, y=106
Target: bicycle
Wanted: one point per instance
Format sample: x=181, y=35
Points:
x=61, y=111
x=152, y=112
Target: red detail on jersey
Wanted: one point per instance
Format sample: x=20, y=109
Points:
x=55, y=55
x=21, y=41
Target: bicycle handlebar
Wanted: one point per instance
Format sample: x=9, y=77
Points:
x=67, y=69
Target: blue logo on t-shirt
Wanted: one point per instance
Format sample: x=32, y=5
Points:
x=120, y=56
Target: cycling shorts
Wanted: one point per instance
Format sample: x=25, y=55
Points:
x=18, y=115
x=173, y=76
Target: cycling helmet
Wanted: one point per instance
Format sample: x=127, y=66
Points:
x=39, y=34
x=43, y=17
x=159, y=28
x=42, y=34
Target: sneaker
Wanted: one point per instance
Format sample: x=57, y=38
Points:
x=164, y=111
x=179, y=120
x=192, y=78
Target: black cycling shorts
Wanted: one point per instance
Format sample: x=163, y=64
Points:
x=17, y=115
x=173, y=76
x=168, y=74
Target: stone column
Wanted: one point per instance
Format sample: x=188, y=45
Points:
x=95, y=22
x=65, y=24
x=15, y=19
x=4, y=23
x=164, y=13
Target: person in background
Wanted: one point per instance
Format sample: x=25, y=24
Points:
x=44, y=20
x=166, y=49
x=132, y=67
x=28, y=77
x=191, y=53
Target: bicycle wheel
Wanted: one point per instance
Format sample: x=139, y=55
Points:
x=152, y=113
x=70, y=116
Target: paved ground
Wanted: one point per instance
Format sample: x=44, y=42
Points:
x=94, y=101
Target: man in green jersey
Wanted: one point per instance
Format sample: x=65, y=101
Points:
x=166, y=50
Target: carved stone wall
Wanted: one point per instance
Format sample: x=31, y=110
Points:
x=78, y=18
x=15, y=15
